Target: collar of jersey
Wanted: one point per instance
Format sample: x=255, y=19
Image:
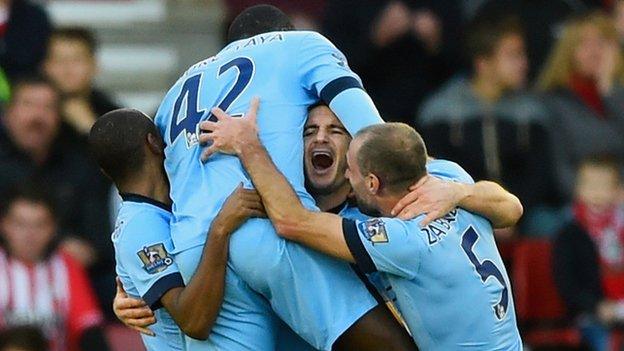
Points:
x=130, y=197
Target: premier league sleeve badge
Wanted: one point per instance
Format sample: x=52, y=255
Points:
x=374, y=230
x=155, y=258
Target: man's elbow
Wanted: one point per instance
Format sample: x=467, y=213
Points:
x=287, y=223
x=512, y=215
x=196, y=330
x=286, y=228
x=517, y=210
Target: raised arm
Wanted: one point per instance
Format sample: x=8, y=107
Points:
x=437, y=197
x=196, y=306
x=320, y=231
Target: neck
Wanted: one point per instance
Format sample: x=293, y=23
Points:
x=486, y=89
x=385, y=204
x=154, y=187
x=334, y=199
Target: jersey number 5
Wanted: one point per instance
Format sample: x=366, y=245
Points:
x=187, y=122
x=486, y=269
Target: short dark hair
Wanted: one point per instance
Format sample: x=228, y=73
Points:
x=116, y=142
x=317, y=104
x=31, y=80
x=608, y=161
x=256, y=20
x=486, y=31
x=394, y=152
x=28, y=338
x=80, y=34
x=31, y=191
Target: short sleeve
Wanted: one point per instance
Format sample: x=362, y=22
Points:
x=145, y=248
x=323, y=68
x=324, y=72
x=384, y=245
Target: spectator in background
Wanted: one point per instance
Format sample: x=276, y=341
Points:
x=34, y=146
x=618, y=18
x=71, y=64
x=24, y=32
x=23, y=339
x=583, y=87
x=400, y=49
x=487, y=122
x=41, y=285
x=542, y=20
x=588, y=254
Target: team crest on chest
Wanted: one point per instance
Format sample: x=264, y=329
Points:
x=155, y=258
x=374, y=230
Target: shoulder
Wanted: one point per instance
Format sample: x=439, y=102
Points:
x=75, y=270
x=453, y=101
x=305, y=35
x=448, y=170
x=136, y=221
x=310, y=40
x=523, y=107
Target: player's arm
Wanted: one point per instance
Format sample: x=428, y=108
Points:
x=436, y=197
x=318, y=230
x=196, y=306
x=324, y=72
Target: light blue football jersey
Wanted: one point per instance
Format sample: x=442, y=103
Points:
x=289, y=71
x=145, y=265
x=439, y=168
x=449, y=279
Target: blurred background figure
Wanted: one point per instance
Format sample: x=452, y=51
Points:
x=588, y=254
x=542, y=21
x=488, y=122
x=23, y=339
x=36, y=145
x=24, y=32
x=400, y=49
x=71, y=64
x=40, y=284
x=582, y=85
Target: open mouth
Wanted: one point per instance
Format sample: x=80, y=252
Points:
x=322, y=160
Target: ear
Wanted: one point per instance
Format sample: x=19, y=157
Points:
x=372, y=183
x=155, y=144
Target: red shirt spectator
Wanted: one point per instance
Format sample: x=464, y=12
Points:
x=53, y=293
x=39, y=284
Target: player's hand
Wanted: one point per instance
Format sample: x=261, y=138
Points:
x=134, y=313
x=229, y=135
x=239, y=206
x=431, y=196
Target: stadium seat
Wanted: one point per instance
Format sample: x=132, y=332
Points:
x=121, y=338
x=540, y=310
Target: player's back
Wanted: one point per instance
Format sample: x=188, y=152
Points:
x=270, y=66
x=143, y=265
x=459, y=296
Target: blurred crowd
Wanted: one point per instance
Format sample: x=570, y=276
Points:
x=529, y=93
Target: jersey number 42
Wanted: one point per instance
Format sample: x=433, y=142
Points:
x=186, y=110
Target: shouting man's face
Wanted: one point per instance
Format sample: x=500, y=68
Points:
x=326, y=142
